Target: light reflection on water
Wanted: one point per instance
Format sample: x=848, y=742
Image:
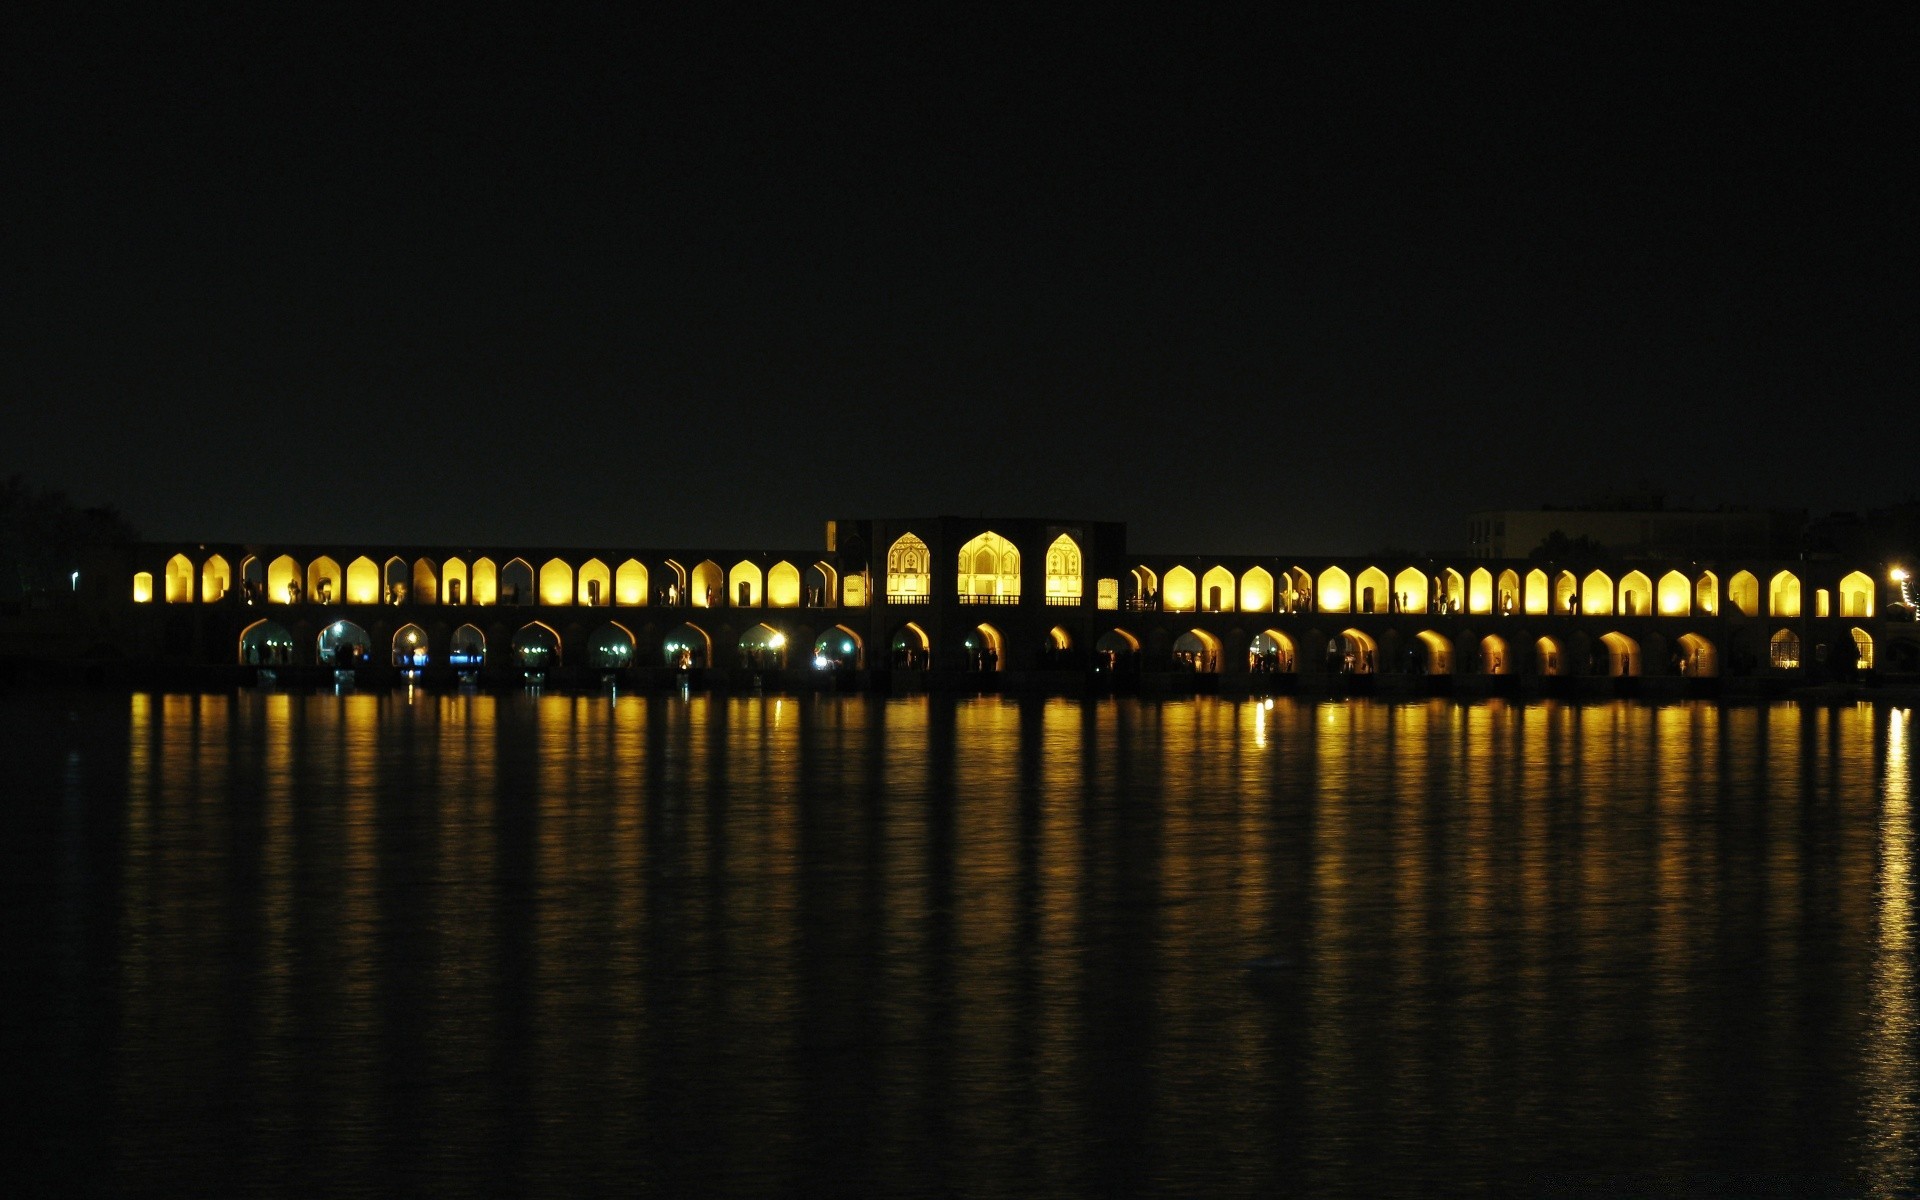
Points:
x=561, y=943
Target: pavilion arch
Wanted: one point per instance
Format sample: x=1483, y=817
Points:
x=1698, y=657
x=1410, y=590
x=1271, y=652
x=745, y=584
x=708, y=586
x=1636, y=594
x=486, y=582
x=284, y=580
x=179, y=578
x=989, y=566
x=1706, y=593
x=398, y=577
x=426, y=581
x=1198, y=651
x=630, y=584
x=516, y=582
x=820, y=586
x=342, y=644
x=1335, y=591
x=216, y=579
x=143, y=587
x=783, y=585
x=1856, y=595
x=595, y=586
x=1179, y=590
x=467, y=649
x=536, y=647
x=1495, y=658
x=556, y=582
x=909, y=571
x=1538, y=596
x=265, y=643
x=1743, y=592
x=1480, y=591
x=1783, y=650
x=1672, y=595
x=840, y=646
x=1547, y=657
x=1216, y=590
x=1566, y=593
x=323, y=580
x=409, y=647
x=1596, y=594
x=1783, y=595
x=1256, y=590
x=912, y=649
x=1146, y=585
x=1370, y=591
x=1066, y=576
x=1436, y=653
x=610, y=647
x=1353, y=653
x=1862, y=649
x=1623, y=654
x=363, y=582
x=687, y=647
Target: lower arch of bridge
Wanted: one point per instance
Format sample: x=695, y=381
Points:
x=763, y=648
x=1272, y=652
x=911, y=649
x=837, y=647
x=1494, y=656
x=1696, y=657
x=410, y=647
x=1059, y=639
x=341, y=644
x=687, y=647
x=536, y=647
x=1432, y=654
x=266, y=643
x=986, y=650
x=1196, y=650
x=1548, y=658
x=468, y=648
x=1623, y=654
x=1352, y=652
x=610, y=647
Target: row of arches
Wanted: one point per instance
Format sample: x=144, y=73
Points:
x=455, y=581
x=1483, y=592
x=536, y=646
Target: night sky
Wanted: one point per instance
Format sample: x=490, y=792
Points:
x=1303, y=285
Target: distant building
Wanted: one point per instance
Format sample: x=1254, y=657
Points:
x=1639, y=530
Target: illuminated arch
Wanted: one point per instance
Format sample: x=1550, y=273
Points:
x=1216, y=590
x=1673, y=594
x=1863, y=649
x=1256, y=590
x=1506, y=600
x=1783, y=651
x=454, y=582
x=409, y=647
x=1438, y=651
x=912, y=649
x=1547, y=659
x=1272, y=652
x=363, y=582
x=1706, y=593
x=323, y=580
x=909, y=571
x=1856, y=595
x=1636, y=594
x=216, y=579
x=744, y=585
x=1146, y=585
x=687, y=647
x=284, y=580
x=467, y=649
x=1539, y=596
x=822, y=585
x=1179, y=590
x=1198, y=651
x=1333, y=591
x=342, y=644
x=707, y=587
x=1623, y=654
x=1059, y=639
x=783, y=586
x=986, y=649
x=556, y=582
x=1783, y=595
x=1698, y=658
x=486, y=582
x=1115, y=649
x=1822, y=602
x=764, y=648
x=838, y=647
x=1453, y=591
x=536, y=647
x=1370, y=591
x=143, y=587
x=1410, y=590
x=516, y=582
x=1480, y=591
x=398, y=579
x=179, y=579
x=630, y=584
x=426, y=582
x=989, y=567
x=1596, y=594
x=1354, y=653
x=1494, y=657
x=1066, y=575
x=1743, y=592
x=610, y=647
x=265, y=643
x=1566, y=593
x=595, y=585
x=1297, y=595
x=675, y=577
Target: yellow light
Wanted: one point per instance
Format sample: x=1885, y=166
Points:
x=1898, y=574
x=412, y=638
x=777, y=640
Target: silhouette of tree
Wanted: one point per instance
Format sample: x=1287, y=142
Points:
x=1558, y=547
x=45, y=537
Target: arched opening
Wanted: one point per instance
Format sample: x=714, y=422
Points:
x=253, y=580
x=143, y=587
x=1146, y=589
x=630, y=584
x=1450, y=591
x=1695, y=657
x=985, y=649
x=1674, y=591
x=989, y=571
x=743, y=585
x=1622, y=654
x=820, y=586
x=1506, y=599
x=673, y=584
x=764, y=648
x=1116, y=650
x=179, y=579
x=1822, y=602
x=516, y=583
x=426, y=582
x=1566, y=594
x=266, y=643
x=1197, y=651
x=1297, y=595
x=1783, y=651
x=453, y=579
x=1430, y=654
x=1065, y=576
x=1494, y=659
x=1743, y=592
x=1706, y=593
x=216, y=579
x=1353, y=653
x=285, y=581
x=1863, y=649
x=1539, y=597
x=610, y=647
x=1480, y=591
x=1256, y=590
x=410, y=647
x=343, y=644
x=687, y=647
x=1272, y=653
x=363, y=582
x=468, y=649
x=1334, y=587
x=1636, y=595
x=1547, y=659
x=1856, y=595
x=1410, y=590
x=536, y=647
x=595, y=588
x=556, y=582
x=1370, y=591
x=323, y=581
x=486, y=582
x=1596, y=594
x=1216, y=590
x=1783, y=595
x=1179, y=591
x=707, y=588
x=783, y=586
x=1056, y=648
x=398, y=579
x=836, y=647
x=911, y=649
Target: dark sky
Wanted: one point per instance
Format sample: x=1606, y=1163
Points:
x=1286, y=285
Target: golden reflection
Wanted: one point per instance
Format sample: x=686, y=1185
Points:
x=1892, y=1035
